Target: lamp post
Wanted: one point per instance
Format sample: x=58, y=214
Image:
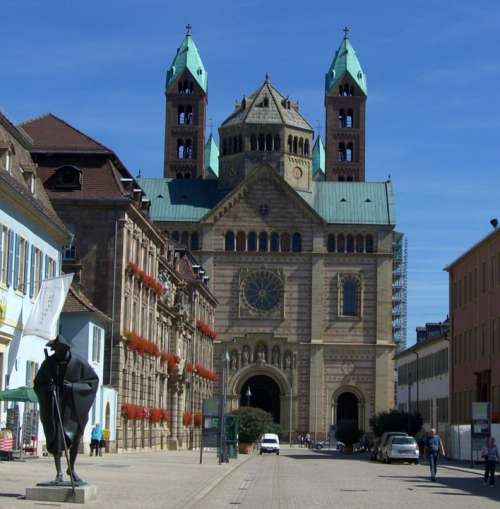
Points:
x=248, y=394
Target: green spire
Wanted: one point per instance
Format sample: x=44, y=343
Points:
x=318, y=156
x=188, y=57
x=345, y=61
x=212, y=156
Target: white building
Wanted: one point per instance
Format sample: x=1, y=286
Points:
x=31, y=238
x=422, y=377
x=84, y=326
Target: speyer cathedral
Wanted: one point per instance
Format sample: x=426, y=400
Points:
x=298, y=245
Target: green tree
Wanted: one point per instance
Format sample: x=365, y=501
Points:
x=396, y=420
x=254, y=422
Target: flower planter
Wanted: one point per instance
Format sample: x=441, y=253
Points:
x=246, y=448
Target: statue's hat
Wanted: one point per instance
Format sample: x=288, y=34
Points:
x=60, y=340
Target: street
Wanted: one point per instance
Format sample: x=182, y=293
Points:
x=302, y=479
x=297, y=479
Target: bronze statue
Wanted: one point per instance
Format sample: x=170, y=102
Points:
x=66, y=386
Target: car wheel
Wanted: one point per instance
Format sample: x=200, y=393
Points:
x=416, y=462
x=260, y=453
x=277, y=453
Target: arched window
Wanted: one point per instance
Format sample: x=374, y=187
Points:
x=175, y=236
x=276, y=142
x=301, y=146
x=369, y=246
x=306, y=147
x=195, y=241
x=330, y=243
x=185, y=239
x=341, y=118
x=178, y=175
x=189, y=114
x=253, y=142
x=359, y=244
x=262, y=142
x=296, y=242
x=350, y=297
x=263, y=241
x=187, y=176
x=341, y=178
x=266, y=102
x=181, y=117
x=342, y=152
x=290, y=142
x=348, y=119
x=229, y=241
x=235, y=144
x=240, y=241
x=295, y=144
x=275, y=242
x=349, y=178
x=350, y=244
x=348, y=153
x=351, y=90
x=240, y=144
x=252, y=241
x=340, y=243
x=180, y=149
x=188, y=149
x=269, y=142
x=285, y=242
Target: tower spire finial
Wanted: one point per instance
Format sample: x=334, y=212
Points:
x=346, y=32
x=267, y=77
x=188, y=29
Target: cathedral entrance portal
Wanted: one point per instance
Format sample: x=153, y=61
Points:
x=264, y=393
x=347, y=408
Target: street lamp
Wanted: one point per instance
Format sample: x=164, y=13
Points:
x=248, y=394
x=225, y=369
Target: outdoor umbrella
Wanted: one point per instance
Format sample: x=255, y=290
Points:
x=19, y=394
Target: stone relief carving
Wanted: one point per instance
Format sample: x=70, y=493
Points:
x=245, y=356
x=288, y=360
x=276, y=355
x=233, y=363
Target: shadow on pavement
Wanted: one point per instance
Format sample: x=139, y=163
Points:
x=12, y=495
x=327, y=454
x=472, y=486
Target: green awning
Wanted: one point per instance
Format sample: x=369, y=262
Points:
x=19, y=394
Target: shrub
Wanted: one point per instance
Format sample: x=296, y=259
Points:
x=348, y=433
x=396, y=420
x=254, y=422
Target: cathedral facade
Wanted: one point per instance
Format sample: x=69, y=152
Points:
x=298, y=246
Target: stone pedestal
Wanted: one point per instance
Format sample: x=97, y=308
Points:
x=82, y=495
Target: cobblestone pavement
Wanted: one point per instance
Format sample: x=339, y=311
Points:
x=167, y=480
x=302, y=479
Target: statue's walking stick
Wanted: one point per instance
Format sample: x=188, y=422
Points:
x=58, y=411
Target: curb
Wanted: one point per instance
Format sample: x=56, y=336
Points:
x=462, y=469
x=207, y=489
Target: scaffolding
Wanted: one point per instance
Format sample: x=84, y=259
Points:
x=399, y=289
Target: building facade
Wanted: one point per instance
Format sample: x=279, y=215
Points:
x=130, y=272
x=422, y=377
x=301, y=267
x=31, y=237
x=474, y=285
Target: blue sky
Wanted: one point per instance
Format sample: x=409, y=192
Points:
x=433, y=108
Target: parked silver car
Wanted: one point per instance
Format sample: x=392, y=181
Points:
x=401, y=448
x=384, y=439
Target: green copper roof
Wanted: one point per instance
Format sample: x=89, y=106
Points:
x=180, y=200
x=188, y=57
x=335, y=202
x=345, y=61
x=212, y=156
x=318, y=155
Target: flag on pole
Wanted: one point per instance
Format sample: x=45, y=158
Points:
x=48, y=305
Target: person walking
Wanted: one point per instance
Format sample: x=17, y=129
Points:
x=490, y=455
x=95, y=439
x=434, y=449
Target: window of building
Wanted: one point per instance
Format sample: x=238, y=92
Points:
x=96, y=344
x=349, y=297
x=195, y=241
x=68, y=177
x=240, y=241
x=276, y=142
x=269, y=142
x=330, y=243
x=175, y=236
x=285, y=242
x=185, y=239
x=350, y=244
x=295, y=144
x=229, y=241
x=483, y=277
x=31, y=371
x=253, y=142
x=4, y=253
x=290, y=143
x=189, y=114
x=263, y=241
x=252, y=241
x=262, y=142
x=360, y=245
x=275, y=242
x=181, y=116
x=296, y=242
x=340, y=243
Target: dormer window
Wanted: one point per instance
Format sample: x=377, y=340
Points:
x=68, y=177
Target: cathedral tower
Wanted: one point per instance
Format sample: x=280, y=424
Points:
x=345, y=102
x=185, y=112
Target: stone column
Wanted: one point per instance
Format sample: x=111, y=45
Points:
x=173, y=442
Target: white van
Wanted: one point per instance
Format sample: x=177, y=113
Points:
x=270, y=443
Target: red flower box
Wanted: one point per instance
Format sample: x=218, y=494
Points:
x=198, y=420
x=187, y=418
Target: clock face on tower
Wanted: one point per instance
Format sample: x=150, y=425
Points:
x=262, y=290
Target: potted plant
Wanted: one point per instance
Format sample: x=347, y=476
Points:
x=253, y=422
x=348, y=433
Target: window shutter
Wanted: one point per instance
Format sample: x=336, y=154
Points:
x=32, y=272
x=27, y=373
x=27, y=281
x=16, y=263
x=10, y=259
